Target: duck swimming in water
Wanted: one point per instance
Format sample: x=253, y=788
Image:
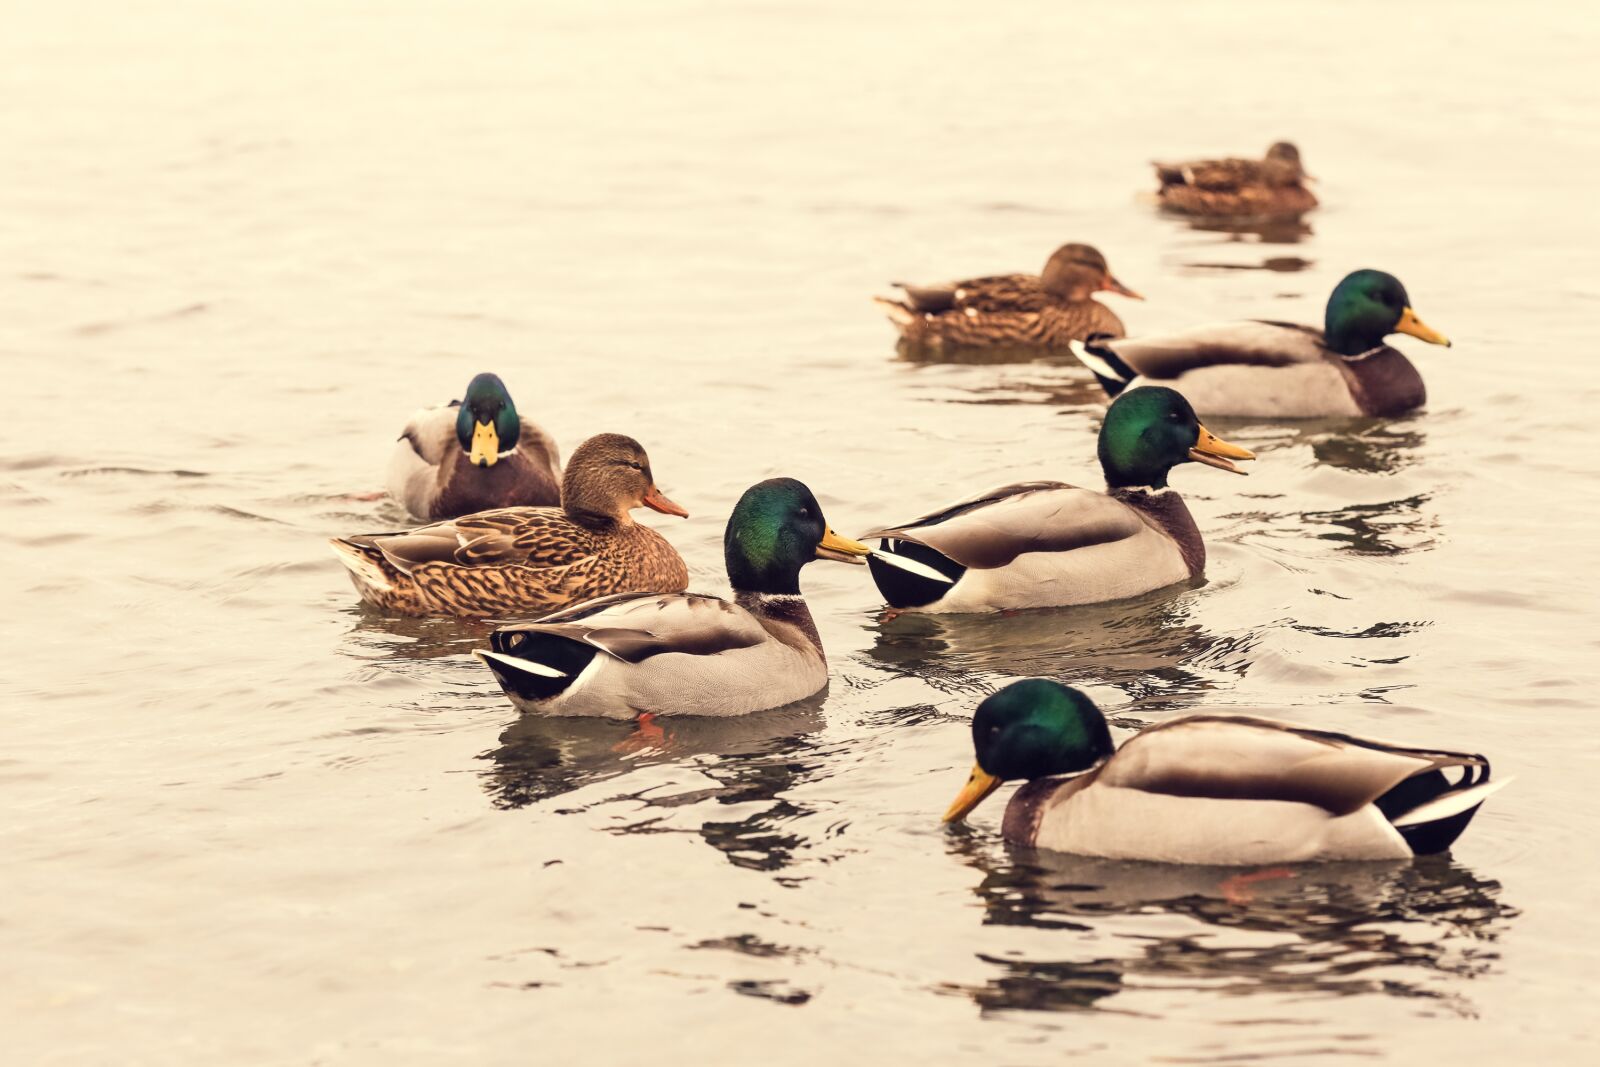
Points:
x=1025, y=313
x=474, y=454
x=1263, y=369
x=516, y=561
x=688, y=653
x=1049, y=544
x=1266, y=188
x=1211, y=789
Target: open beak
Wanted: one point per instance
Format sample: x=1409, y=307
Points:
x=1213, y=451
x=1111, y=285
x=978, y=786
x=842, y=549
x=1409, y=323
x=655, y=500
x=485, y=445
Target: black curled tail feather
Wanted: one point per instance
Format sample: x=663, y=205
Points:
x=1108, y=368
x=1433, y=835
x=902, y=589
x=561, y=653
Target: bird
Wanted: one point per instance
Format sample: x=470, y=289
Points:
x=522, y=560
x=473, y=454
x=1266, y=369
x=1211, y=789
x=1270, y=187
x=1020, y=312
x=653, y=653
x=1049, y=544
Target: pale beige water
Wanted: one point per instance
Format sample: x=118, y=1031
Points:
x=245, y=821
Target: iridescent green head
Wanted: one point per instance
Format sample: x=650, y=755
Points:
x=776, y=528
x=1368, y=306
x=1150, y=430
x=487, y=424
x=1034, y=728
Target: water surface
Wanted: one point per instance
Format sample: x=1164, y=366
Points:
x=248, y=820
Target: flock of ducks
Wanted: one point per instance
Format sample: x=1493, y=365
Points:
x=614, y=633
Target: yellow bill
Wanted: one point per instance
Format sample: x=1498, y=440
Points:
x=979, y=785
x=1409, y=323
x=842, y=549
x=485, y=445
x=1213, y=451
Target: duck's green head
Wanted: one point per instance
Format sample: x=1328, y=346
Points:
x=1034, y=728
x=1368, y=306
x=776, y=528
x=1150, y=430
x=487, y=424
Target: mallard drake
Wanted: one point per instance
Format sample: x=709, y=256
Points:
x=1048, y=544
x=689, y=653
x=520, y=560
x=1261, y=369
x=1211, y=789
x=1012, y=311
x=1273, y=186
x=474, y=454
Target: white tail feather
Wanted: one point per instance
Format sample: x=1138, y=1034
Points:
x=359, y=565
x=1094, y=362
x=527, y=666
x=921, y=570
x=1451, y=803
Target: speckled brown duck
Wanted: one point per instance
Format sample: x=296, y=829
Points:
x=1271, y=187
x=474, y=454
x=1024, y=313
x=1050, y=544
x=520, y=561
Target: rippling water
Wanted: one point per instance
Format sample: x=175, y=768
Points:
x=247, y=820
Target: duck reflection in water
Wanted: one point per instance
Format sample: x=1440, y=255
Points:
x=1145, y=646
x=754, y=760
x=1275, y=231
x=1413, y=930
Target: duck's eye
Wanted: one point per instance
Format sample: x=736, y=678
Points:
x=804, y=513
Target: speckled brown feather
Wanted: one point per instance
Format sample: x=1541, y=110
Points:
x=1271, y=187
x=1052, y=326
x=510, y=562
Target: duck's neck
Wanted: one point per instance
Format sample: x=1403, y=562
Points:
x=785, y=608
x=1164, y=509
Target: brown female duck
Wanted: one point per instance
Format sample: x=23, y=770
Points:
x=1270, y=187
x=474, y=454
x=1012, y=311
x=514, y=561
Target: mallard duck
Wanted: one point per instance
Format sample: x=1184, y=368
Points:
x=1273, y=186
x=520, y=560
x=1012, y=311
x=689, y=653
x=1211, y=789
x=474, y=454
x=1262, y=369
x=1048, y=544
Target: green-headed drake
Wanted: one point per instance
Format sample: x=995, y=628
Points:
x=1023, y=312
x=1267, y=188
x=1259, y=369
x=689, y=653
x=474, y=454
x=1211, y=789
x=521, y=561
x=1048, y=544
